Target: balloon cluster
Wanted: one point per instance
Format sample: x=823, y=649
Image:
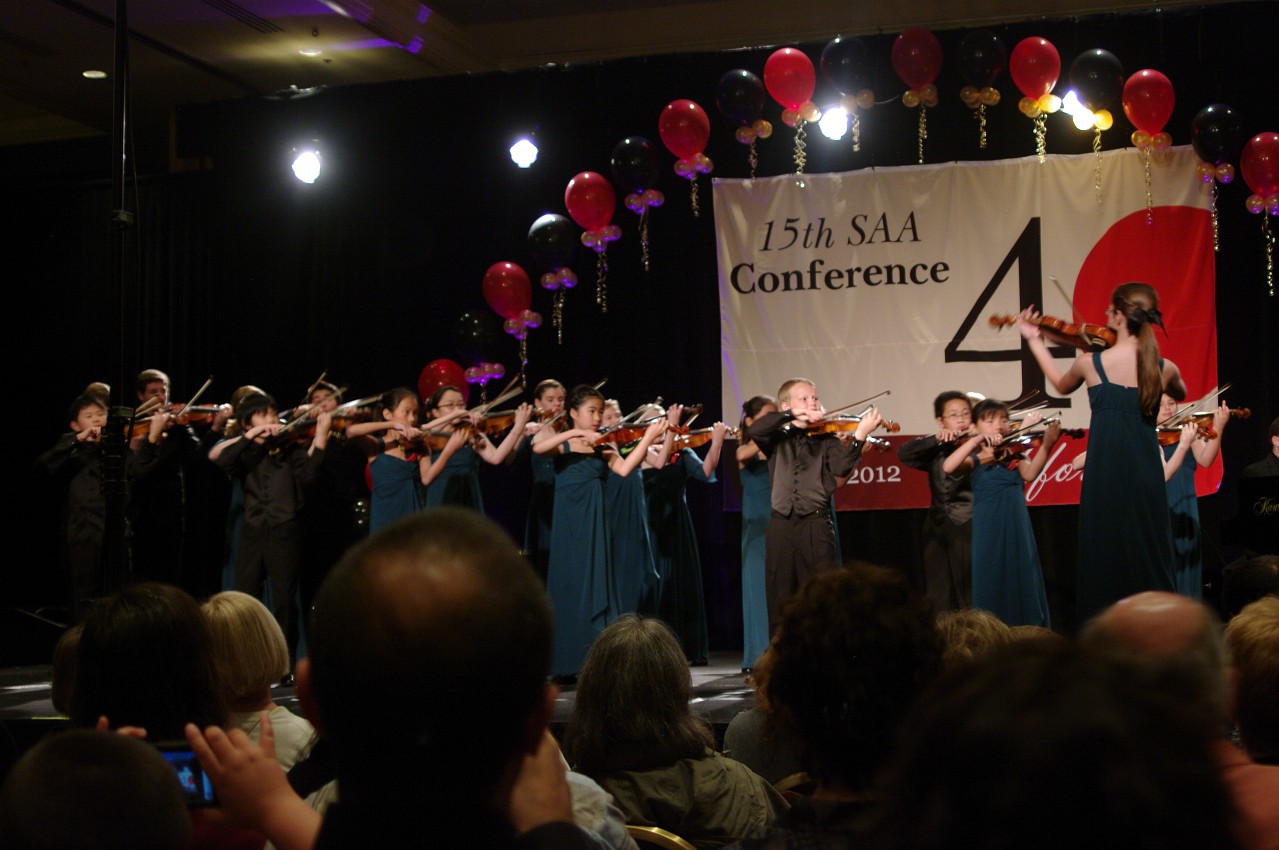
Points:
x=634, y=164
x=846, y=65
x=553, y=241
x=1260, y=165
x=482, y=373
x=1035, y=66
x=519, y=326
x=1148, y=101
x=508, y=291
x=685, y=130
x=1097, y=78
x=590, y=200
x=917, y=60
x=791, y=79
x=982, y=56
x=740, y=98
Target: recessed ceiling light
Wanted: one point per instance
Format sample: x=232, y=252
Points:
x=310, y=51
x=95, y=75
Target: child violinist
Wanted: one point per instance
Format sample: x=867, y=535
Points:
x=1181, y=459
x=548, y=396
x=804, y=470
x=272, y=476
x=77, y=459
x=948, y=530
x=400, y=468
x=581, y=580
x=753, y=468
x=1007, y=579
x=459, y=482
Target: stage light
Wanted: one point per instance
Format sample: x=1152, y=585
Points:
x=1084, y=120
x=94, y=75
x=1070, y=103
x=524, y=152
x=834, y=123
x=306, y=164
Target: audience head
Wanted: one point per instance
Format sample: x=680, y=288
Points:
x=1051, y=745
x=443, y=606
x=1016, y=633
x=145, y=660
x=1253, y=579
x=1180, y=640
x=65, y=652
x=631, y=710
x=249, y=649
x=971, y=633
x=84, y=789
x=853, y=650
x=1253, y=639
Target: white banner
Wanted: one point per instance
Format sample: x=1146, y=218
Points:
x=886, y=278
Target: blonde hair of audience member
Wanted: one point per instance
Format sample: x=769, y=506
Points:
x=970, y=634
x=1253, y=639
x=248, y=647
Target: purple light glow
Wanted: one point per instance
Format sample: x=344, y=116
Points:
x=422, y=14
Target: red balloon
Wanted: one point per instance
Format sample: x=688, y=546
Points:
x=684, y=128
x=1259, y=163
x=790, y=77
x=590, y=200
x=917, y=57
x=1148, y=100
x=507, y=289
x=442, y=373
x=1035, y=66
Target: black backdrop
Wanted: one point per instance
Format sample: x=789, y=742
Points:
x=246, y=274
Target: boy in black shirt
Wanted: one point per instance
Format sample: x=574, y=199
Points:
x=800, y=539
x=272, y=476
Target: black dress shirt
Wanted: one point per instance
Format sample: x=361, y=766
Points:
x=802, y=468
x=952, y=494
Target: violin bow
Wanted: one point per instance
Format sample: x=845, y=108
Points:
x=1193, y=406
x=306, y=396
x=1066, y=298
x=207, y=383
x=827, y=414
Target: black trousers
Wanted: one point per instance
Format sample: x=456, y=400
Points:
x=948, y=563
x=795, y=549
x=272, y=553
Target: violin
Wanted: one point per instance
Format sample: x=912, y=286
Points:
x=700, y=437
x=1082, y=335
x=1169, y=431
x=843, y=423
x=1017, y=444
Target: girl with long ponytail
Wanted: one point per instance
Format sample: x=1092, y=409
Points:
x=1125, y=540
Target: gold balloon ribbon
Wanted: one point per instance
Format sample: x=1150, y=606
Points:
x=1041, y=136
x=981, y=126
x=1270, y=254
x=1096, y=172
x=923, y=130
x=801, y=155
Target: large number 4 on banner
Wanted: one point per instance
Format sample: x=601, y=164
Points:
x=1026, y=253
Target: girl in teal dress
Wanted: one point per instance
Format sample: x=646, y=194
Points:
x=1125, y=540
x=1007, y=578
x=580, y=579
x=400, y=469
x=756, y=508
x=459, y=481
x=548, y=396
x=1183, y=502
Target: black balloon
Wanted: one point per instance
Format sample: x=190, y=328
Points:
x=634, y=164
x=846, y=64
x=740, y=96
x=553, y=240
x=1217, y=134
x=982, y=56
x=1097, y=78
x=476, y=334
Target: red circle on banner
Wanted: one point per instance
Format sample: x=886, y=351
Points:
x=1174, y=255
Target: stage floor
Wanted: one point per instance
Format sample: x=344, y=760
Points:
x=720, y=691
